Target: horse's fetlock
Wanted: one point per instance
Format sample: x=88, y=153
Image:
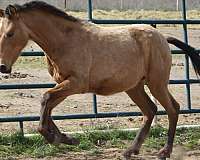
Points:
x=42, y=130
x=50, y=137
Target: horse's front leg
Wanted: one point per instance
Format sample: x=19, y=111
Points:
x=50, y=99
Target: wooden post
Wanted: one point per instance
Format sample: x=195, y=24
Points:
x=65, y=4
x=177, y=5
x=121, y=5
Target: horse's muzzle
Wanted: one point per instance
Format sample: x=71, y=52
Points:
x=4, y=69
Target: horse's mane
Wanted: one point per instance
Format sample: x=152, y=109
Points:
x=40, y=5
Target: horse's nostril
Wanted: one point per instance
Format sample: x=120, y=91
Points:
x=3, y=68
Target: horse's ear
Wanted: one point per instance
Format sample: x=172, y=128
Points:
x=1, y=13
x=11, y=11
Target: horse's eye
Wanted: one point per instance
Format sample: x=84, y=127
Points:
x=9, y=34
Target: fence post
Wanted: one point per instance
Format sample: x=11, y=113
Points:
x=90, y=10
x=187, y=74
x=65, y=4
x=122, y=4
x=90, y=19
x=177, y=5
x=21, y=125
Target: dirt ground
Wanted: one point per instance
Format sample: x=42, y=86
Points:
x=27, y=102
x=116, y=154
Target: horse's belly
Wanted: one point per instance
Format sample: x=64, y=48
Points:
x=112, y=79
x=105, y=91
x=112, y=86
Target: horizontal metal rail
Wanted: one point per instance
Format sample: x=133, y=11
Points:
x=167, y=21
x=32, y=54
x=86, y=116
x=42, y=53
x=26, y=86
x=50, y=85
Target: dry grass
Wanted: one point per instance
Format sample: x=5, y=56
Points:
x=142, y=14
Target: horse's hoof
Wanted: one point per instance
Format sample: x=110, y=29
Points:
x=130, y=151
x=69, y=140
x=75, y=141
x=127, y=154
x=126, y=158
x=164, y=153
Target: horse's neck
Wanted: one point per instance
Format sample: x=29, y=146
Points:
x=47, y=31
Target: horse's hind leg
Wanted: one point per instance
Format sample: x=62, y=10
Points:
x=149, y=109
x=50, y=99
x=161, y=93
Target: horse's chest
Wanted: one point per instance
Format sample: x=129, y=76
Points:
x=55, y=72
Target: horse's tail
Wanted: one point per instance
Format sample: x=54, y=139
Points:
x=190, y=51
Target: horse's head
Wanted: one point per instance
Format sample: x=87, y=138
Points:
x=13, y=38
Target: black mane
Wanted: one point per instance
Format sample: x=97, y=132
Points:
x=40, y=5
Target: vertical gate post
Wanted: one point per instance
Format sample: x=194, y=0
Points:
x=90, y=10
x=187, y=74
x=90, y=19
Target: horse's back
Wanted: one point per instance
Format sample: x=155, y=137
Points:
x=124, y=55
x=118, y=62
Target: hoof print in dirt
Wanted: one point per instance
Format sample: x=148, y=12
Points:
x=23, y=95
x=5, y=106
x=15, y=75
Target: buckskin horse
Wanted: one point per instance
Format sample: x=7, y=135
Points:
x=86, y=58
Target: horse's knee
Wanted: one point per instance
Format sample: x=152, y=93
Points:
x=147, y=119
x=45, y=99
x=176, y=108
x=176, y=105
